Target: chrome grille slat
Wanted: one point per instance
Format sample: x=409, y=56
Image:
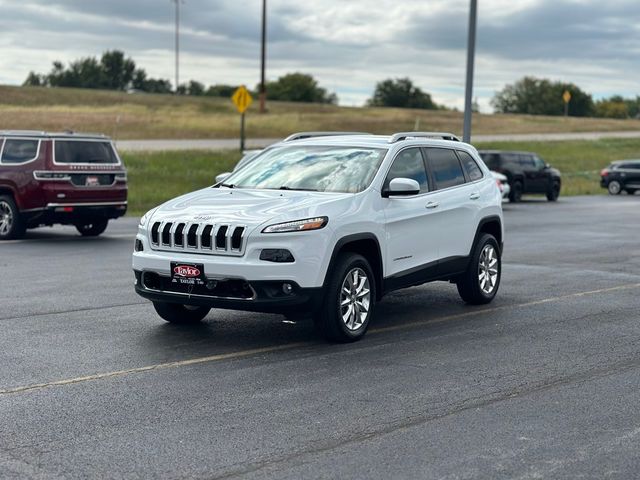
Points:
x=221, y=238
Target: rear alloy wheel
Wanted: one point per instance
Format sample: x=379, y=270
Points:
x=11, y=223
x=480, y=283
x=515, y=195
x=180, y=314
x=92, y=229
x=614, y=187
x=350, y=300
x=554, y=192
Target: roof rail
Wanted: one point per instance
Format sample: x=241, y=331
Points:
x=23, y=132
x=397, y=137
x=304, y=135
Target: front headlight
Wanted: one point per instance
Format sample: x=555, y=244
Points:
x=298, y=225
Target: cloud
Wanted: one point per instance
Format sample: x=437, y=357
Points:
x=348, y=46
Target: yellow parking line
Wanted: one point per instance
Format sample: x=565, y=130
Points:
x=291, y=346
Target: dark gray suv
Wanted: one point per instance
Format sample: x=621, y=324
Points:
x=526, y=172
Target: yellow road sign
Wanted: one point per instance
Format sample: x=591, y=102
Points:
x=566, y=96
x=242, y=99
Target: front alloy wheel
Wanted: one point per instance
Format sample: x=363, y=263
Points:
x=355, y=298
x=349, y=301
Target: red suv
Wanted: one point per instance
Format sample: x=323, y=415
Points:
x=67, y=178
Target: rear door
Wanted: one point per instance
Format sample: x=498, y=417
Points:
x=456, y=202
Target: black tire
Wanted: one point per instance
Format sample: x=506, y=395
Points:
x=554, y=192
x=329, y=319
x=515, y=195
x=614, y=187
x=11, y=222
x=470, y=286
x=631, y=191
x=92, y=229
x=180, y=314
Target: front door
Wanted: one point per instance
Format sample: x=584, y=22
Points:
x=412, y=235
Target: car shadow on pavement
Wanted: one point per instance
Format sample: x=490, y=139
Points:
x=229, y=331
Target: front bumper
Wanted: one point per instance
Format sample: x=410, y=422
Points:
x=261, y=296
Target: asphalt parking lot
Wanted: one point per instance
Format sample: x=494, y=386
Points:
x=542, y=383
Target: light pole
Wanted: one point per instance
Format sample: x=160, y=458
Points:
x=471, y=51
x=177, y=2
x=263, y=54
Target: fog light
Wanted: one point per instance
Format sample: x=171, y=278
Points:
x=139, y=247
x=212, y=284
x=278, y=255
x=287, y=288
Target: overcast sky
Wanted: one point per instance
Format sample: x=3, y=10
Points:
x=347, y=45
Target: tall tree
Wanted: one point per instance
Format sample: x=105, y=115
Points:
x=118, y=70
x=401, y=93
x=299, y=87
x=536, y=96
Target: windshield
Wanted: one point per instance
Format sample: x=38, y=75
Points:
x=78, y=151
x=322, y=169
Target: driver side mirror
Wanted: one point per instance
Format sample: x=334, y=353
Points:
x=401, y=187
x=222, y=177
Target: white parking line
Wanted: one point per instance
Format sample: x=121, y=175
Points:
x=291, y=346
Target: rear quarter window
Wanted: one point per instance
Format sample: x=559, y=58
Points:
x=470, y=166
x=80, y=151
x=17, y=150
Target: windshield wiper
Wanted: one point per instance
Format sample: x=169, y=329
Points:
x=228, y=185
x=284, y=187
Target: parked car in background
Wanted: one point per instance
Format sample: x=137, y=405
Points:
x=503, y=183
x=621, y=175
x=526, y=173
x=67, y=178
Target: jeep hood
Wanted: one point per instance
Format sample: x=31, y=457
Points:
x=246, y=207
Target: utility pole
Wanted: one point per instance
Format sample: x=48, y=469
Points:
x=263, y=55
x=471, y=52
x=177, y=2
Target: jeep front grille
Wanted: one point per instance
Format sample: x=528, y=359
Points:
x=221, y=239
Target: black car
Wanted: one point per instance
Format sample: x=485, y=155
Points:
x=621, y=175
x=526, y=172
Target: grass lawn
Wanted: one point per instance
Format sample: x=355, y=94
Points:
x=148, y=116
x=156, y=177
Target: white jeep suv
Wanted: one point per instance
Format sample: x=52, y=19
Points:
x=325, y=226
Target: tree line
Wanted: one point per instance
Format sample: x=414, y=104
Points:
x=529, y=95
x=540, y=96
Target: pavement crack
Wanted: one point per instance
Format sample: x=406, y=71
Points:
x=73, y=310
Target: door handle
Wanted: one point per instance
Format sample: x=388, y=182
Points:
x=474, y=196
x=431, y=205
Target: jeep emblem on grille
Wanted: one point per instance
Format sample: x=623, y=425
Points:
x=186, y=271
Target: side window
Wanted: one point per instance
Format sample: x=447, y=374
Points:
x=445, y=167
x=527, y=161
x=538, y=162
x=19, y=151
x=470, y=166
x=409, y=164
x=511, y=160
